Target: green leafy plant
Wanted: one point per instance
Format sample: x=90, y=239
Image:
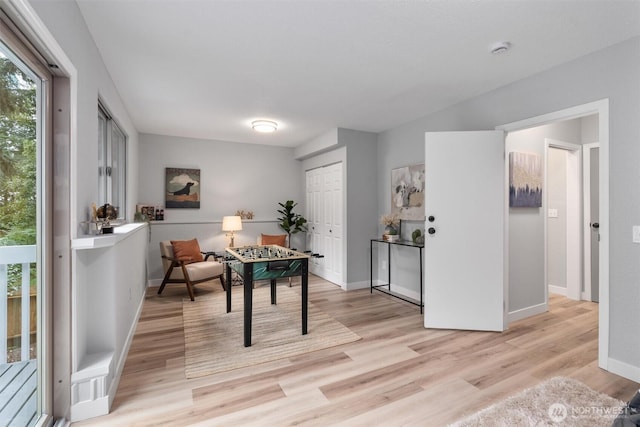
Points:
x=291, y=222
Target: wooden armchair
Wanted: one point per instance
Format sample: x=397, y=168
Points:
x=183, y=262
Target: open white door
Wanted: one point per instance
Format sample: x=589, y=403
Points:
x=465, y=275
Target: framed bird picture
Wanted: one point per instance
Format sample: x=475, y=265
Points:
x=182, y=188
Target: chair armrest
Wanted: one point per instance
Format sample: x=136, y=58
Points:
x=209, y=254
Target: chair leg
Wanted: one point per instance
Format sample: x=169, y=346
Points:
x=224, y=288
x=190, y=290
x=187, y=282
x=166, y=277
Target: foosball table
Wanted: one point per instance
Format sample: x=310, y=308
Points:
x=265, y=262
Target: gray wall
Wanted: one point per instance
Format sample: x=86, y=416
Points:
x=66, y=23
x=234, y=176
x=611, y=73
x=362, y=198
x=357, y=151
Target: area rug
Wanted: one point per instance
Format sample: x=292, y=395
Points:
x=214, y=339
x=558, y=401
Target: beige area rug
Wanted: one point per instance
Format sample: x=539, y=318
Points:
x=214, y=339
x=558, y=401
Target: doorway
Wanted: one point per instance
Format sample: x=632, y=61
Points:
x=26, y=232
x=599, y=110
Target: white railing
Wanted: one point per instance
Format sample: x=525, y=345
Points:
x=9, y=255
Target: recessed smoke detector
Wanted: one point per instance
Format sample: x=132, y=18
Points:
x=499, y=47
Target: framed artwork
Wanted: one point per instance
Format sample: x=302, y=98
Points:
x=407, y=192
x=525, y=180
x=182, y=188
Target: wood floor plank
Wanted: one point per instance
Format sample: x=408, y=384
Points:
x=399, y=373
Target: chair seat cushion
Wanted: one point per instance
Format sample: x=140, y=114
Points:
x=203, y=270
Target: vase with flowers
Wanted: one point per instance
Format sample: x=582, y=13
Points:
x=391, y=223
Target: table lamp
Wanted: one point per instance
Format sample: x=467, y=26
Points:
x=231, y=224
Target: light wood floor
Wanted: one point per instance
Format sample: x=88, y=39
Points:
x=398, y=374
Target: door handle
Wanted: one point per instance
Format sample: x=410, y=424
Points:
x=431, y=230
x=595, y=225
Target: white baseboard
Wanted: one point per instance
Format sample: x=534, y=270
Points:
x=154, y=283
x=624, y=369
x=365, y=284
x=527, y=312
x=125, y=352
x=560, y=290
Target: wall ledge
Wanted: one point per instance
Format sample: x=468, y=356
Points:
x=120, y=233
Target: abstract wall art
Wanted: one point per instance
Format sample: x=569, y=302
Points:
x=407, y=192
x=525, y=180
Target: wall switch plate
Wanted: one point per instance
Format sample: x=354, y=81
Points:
x=636, y=234
x=553, y=213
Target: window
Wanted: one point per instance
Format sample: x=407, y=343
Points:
x=112, y=162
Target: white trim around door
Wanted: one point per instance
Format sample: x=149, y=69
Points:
x=601, y=108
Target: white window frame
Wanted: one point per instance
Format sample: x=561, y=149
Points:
x=112, y=162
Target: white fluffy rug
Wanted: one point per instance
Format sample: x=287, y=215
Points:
x=558, y=401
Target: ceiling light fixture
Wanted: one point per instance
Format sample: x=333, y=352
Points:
x=264, y=126
x=500, y=47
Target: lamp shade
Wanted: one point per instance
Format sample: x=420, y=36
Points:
x=231, y=223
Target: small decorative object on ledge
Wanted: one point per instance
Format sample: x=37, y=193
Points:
x=417, y=236
x=244, y=214
x=391, y=223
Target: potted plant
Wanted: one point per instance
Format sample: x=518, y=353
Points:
x=291, y=222
x=391, y=223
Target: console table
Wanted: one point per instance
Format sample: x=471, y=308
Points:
x=386, y=288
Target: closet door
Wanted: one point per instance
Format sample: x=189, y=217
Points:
x=314, y=221
x=333, y=222
x=325, y=216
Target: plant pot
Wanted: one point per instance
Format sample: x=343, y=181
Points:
x=389, y=229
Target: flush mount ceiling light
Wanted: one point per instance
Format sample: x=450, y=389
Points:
x=264, y=126
x=499, y=47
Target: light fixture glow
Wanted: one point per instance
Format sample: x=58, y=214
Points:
x=231, y=224
x=264, y=126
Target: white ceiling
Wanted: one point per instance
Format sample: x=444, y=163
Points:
x=207, y=68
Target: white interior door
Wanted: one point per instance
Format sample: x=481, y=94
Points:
x=332, y=190
x=591, y=179
x=314, y=215
x=465, y=266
